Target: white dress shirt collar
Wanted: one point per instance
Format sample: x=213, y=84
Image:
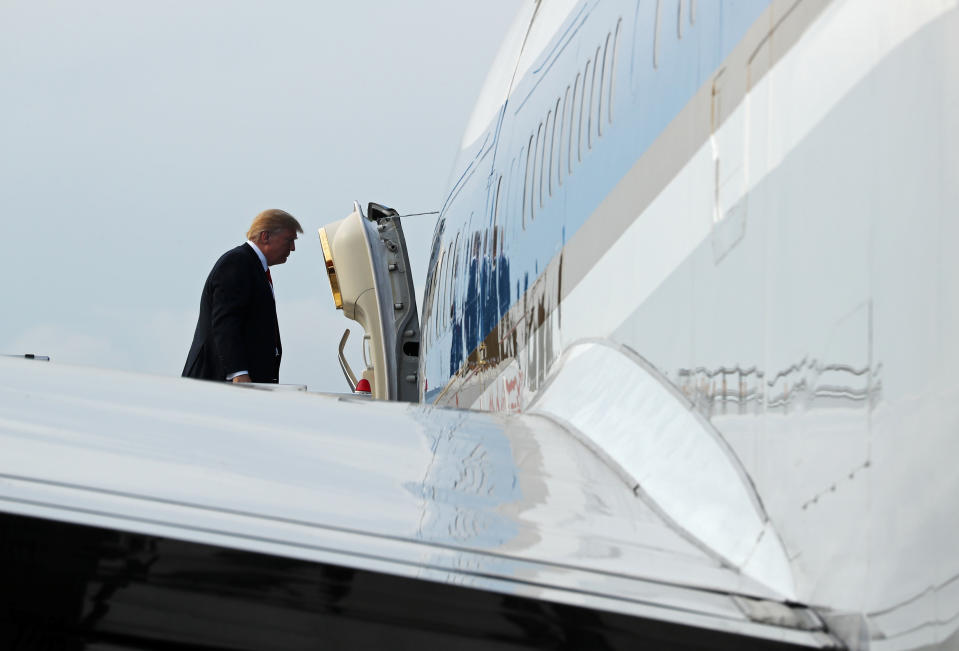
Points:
x=259, y=254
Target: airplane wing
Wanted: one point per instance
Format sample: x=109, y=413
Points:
x=153, y=512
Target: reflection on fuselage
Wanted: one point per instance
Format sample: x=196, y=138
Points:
x=767, y=222
x=808, y=384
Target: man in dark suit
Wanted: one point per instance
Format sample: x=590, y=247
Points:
x=237, y=336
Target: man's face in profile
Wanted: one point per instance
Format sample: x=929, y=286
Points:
x=277, y=246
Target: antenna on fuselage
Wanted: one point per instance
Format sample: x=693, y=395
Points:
x=417, y=214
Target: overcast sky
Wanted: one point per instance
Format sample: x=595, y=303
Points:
x=138, y=140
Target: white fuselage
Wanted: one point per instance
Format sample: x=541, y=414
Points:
x=760, y=203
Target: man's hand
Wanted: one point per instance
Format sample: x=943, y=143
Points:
x=242, y=378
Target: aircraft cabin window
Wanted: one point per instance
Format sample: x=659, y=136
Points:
x=602, y=87
x=495, y=221
x=532, y=177
x=452, y=275
x=440, y=294
x=542, y=157
x=515, y=194
x=583, y=106
x=450, y=278
x=509, y=201
x=496, y=203
x=593, y=95
x=454, y=272
x=552, y=145
x=438, y=298
x=431, y=294
x=562, y=130
x=499, y=188
x=448, y=283
x=572, y=122
x=612, y=69
x=526, y=185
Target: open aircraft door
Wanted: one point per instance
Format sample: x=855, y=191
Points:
x=369, y=272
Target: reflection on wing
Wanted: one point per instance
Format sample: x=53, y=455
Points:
x=141, y=499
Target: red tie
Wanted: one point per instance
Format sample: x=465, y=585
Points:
x=269, y=277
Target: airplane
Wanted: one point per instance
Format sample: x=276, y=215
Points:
x=681, y=377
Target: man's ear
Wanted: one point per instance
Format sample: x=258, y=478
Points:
x=263, y=237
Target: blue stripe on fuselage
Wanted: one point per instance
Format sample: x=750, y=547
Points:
x=646, y=99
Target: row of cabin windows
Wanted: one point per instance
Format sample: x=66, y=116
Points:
x=571, y=126
x=440, y=286
x=564, y=140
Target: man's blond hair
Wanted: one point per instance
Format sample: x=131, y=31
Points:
x=272, y=220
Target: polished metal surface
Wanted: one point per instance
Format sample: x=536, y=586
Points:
x=765, y=217
x=726, y=304
x=673, y=456
x=515, y=505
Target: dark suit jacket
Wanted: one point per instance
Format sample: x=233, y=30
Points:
x=237, y=329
